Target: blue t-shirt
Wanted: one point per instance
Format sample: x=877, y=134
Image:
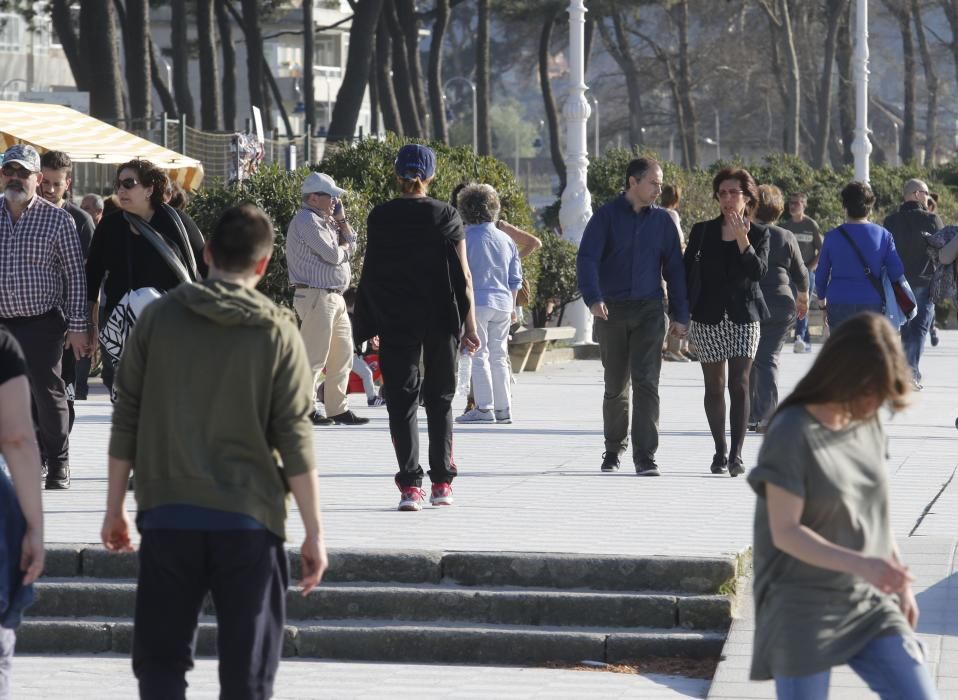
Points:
x=840, y=277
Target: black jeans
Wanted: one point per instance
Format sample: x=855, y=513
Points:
x=763, y=382
x=630, y=344
x=247, y=573
x=41, y=338
x=402, y=383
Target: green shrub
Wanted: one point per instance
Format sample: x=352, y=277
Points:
x=366, y=171
x=557, y=283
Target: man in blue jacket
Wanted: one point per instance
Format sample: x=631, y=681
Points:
x=629, y=246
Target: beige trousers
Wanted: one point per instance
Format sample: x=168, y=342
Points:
x=328, y=336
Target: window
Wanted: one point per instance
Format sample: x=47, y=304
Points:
x=328, y=52
x=11, y=38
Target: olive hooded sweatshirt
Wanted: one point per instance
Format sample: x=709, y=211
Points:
x=213, y=396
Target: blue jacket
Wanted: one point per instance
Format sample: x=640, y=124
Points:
x=840, y=277
x=14, y=597
x=626, y=254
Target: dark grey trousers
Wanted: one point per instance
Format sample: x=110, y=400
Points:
x=763, y=381
x=630, y=344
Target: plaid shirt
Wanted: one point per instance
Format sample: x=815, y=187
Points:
x=41, y=264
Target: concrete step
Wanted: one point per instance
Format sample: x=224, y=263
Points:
x=65, y=598
x=522, y=569
x=391, y=641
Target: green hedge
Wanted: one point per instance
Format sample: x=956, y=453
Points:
x=366, y=171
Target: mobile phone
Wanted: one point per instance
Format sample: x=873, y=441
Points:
x=338, y=208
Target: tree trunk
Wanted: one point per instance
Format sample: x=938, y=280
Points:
x=254, y=54
x=349, y=99
x=62, y=20
x=680, y=13
x=846, y=102
x=619, y=46
x=309, y=57
x=181, y=60
x=210, y=97
x=483, y=97
x=229, y=65
x=833, y=13
x=136, y=51
x=552, y=114
x=436, y=103
x=387, y=94
x=99, y=37
x=907, y=151
x=166, y=97
x=409, y=28
x=931, y=86
x=375, y=119
x=793, y=109
x=408, y=112
x=950, y=8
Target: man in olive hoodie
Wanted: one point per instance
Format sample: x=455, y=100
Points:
x=213, y=397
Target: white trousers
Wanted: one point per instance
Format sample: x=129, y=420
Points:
x=490, y=364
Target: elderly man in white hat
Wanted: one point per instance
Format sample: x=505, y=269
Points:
x=319, y=246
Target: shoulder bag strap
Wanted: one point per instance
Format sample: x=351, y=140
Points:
x=875, y=282
x=161, y=246
x=184, y=239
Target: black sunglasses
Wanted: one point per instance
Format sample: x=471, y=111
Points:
x=16, y=171
x=127, y=183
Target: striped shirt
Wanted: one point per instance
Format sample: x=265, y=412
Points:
x=314, y=255
x=41, y=264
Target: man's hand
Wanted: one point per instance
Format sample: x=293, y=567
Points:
x=801, y=305
x=470, y=341
x=32, y=556
x=679, y=330
x=600, y=310
x=115, y=533
x=80, y=342
x=887, y=575
x=312, y=555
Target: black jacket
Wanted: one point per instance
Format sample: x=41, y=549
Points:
x=910, y=226
x=729, y=278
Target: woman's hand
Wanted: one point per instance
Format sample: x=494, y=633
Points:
x=908, y=605
x=739, y=225
x=886, y=575
x=801, y=305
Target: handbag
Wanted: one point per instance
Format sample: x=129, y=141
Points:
x=904, y=307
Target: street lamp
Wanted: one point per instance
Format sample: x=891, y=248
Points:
x=475, y=124
x=861, y=146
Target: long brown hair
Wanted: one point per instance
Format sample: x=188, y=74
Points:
x=862, y=357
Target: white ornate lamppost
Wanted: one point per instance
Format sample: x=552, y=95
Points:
x=576, y=208
x=861, y=146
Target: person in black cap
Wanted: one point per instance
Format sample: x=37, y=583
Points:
x=416, y=295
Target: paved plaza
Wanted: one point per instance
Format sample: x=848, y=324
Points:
x=535, y=485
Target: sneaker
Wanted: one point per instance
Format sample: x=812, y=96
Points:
x=691, y=355
x=752, y=427
x=43, y=469
x=647, y=467
x=610, y=461
x=800, y=346
x=934, y=336
x=412, y=498
x=317, y=418
x=736, y=467
x=348, y=418
x=376, y=401
x=477, y=415
x=504, y=416
x=719, y=464
x=58, y=479
x=916, y=385
x=441, y=495
x=676, y=357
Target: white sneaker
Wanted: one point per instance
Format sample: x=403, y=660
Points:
x=503, y=416
x=800, y=346
x=477, y=415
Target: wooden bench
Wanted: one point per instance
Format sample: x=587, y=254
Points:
x=527, y=348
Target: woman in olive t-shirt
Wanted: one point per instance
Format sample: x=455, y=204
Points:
x=830, y=587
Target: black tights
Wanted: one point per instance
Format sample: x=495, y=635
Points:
x=714, y=373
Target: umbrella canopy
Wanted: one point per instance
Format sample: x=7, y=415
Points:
x=49, y=127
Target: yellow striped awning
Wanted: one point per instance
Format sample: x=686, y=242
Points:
x=49, y=127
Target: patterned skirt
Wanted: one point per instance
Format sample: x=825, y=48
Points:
x=717, y=342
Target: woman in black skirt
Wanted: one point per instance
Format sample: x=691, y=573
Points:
x=724, y=262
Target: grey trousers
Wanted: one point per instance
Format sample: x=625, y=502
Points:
x=630, y=345
x=7, y=640
x=763, y=381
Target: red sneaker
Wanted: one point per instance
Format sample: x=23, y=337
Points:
x=412, y=498
x=441, y=495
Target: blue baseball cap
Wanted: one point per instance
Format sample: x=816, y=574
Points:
x=415, y=161
x=24, y=155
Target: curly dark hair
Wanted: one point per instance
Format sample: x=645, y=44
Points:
x=149, y=176
x=745, y=182
x=858, y=199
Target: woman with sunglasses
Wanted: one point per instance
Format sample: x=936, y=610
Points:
x=725, y=260
x=125, y=257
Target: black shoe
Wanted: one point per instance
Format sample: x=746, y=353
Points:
x=43, y=469
x=647, y=467
x=317, y=418
x=129, y=483
x=719, y=464
x=934, y=337
x=58, y=479
x=736, y=467
x=348, y=418
x=753, y=426
x=610, y=461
